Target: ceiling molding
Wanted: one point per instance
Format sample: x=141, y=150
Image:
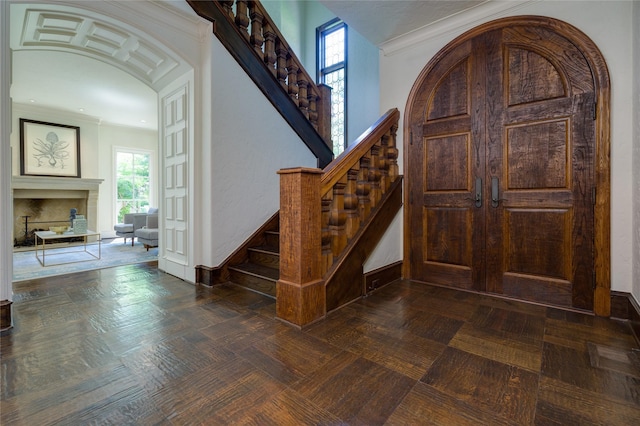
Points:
x=75, y=32
x=454, y=25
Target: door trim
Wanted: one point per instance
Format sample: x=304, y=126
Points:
x=602, y=202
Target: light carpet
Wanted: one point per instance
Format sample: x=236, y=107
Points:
x=70, y=259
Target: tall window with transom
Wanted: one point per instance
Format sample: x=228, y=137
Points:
x=332, y=71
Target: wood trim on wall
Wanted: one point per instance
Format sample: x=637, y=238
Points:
x=625, y=307
x=380, y=277
x=602, y=218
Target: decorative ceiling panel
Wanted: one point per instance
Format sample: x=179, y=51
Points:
x=67, y=31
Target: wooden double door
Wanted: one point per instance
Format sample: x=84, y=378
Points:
x=500, y=166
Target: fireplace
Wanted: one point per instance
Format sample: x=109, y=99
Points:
x=46, y=201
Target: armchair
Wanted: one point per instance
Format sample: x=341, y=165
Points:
x=148, y=234
x=132, y=222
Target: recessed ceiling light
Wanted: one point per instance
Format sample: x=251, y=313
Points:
x=81, y=109
x=32, y=100
x=143, y=121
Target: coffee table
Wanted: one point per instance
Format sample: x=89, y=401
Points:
x=45, y=236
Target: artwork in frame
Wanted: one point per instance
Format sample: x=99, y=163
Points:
x=49, y=149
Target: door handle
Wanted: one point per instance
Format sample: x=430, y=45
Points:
x=478, y=197
x=495, y=194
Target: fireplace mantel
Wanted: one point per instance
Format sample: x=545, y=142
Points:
x=39, y=187
x=54, y=183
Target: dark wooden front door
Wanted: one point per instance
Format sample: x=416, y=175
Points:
x=501, y=168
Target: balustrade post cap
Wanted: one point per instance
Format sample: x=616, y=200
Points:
x=307, y=170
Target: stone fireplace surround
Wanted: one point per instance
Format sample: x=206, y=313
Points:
x=83, y=192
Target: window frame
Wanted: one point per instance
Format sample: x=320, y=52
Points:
x=321, y=32
x=152, y=182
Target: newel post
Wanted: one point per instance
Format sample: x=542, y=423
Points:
x=300, y=293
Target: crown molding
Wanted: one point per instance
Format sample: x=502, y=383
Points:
x=455, y=24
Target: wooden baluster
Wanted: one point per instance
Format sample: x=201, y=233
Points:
x=256, y=38
x=351, y=203
x=227, y=6
x=392, y=154
x=313, y=110
x=303, y=100
x=374, y=176
x=242, y=19
x=327, y=254
x=384, y=164
x=364, y=188
x=270, y=56
x=281, y=67
x=292, y=79
x=337, y=218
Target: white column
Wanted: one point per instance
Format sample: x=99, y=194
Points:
x=6, y=212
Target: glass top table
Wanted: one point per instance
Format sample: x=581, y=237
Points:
x=50, y=236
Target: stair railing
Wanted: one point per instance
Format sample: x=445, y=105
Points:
x=321, y=210
x=250, y=35
x=354, y=183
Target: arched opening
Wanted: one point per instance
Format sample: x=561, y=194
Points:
x=98, y=34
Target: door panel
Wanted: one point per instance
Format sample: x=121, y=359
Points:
x=442, y=250
x=511, y=109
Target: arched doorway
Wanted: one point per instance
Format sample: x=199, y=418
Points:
x=507, y=165
x=163, y=57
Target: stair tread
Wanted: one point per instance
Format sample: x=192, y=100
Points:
x=266, y=249
x=255, y=269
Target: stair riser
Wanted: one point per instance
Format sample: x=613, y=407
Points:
x=271, y=260
x=273, y=239
x=261, y=285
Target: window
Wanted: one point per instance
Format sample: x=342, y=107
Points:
x=133, y=182
x=332, y=71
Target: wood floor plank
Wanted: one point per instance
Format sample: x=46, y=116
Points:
x=485, y=345
x=288, y=408
x=576, y=335
x=350, y=389
x=397, y=350
x=562, y=403
x=132, y=345
x=505, y=390
x=425, y=405
x=574, y=367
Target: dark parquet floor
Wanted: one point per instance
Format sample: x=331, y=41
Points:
x=131, y=345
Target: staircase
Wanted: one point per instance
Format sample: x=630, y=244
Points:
x=262, y=268
x=332, y=217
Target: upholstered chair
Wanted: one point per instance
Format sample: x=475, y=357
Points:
x=132, y=222
x=148, y=234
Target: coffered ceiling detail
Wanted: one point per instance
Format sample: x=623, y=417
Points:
x=91, y=36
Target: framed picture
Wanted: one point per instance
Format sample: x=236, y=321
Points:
x=49, y=149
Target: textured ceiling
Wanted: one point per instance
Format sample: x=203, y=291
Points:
x=382, y=21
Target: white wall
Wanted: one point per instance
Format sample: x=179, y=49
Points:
x=250, y=142
x=609, y=25
x=636, y=151
x=97, y=142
